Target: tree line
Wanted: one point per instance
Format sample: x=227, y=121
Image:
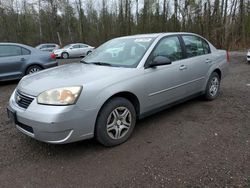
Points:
x=226, y=23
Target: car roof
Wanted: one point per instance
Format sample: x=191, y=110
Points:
x=47, y=44
x=77, y=44
x=16, y=44
x=155, y=35
x=33, y=50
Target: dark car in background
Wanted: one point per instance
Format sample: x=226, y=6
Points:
x=49, y=47
x=18, y=60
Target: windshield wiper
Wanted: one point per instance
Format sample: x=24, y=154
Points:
x=101, y=63
x=96, y=63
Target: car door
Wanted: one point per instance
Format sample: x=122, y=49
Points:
x=165, y=83
x=83, y=49
x=74, y=50
x=11, y=62
x=198, y=61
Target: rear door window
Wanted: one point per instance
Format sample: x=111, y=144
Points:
x=10, y=50
x=76, y=46
x=83, y=46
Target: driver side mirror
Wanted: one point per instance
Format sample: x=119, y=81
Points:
x=159, y=61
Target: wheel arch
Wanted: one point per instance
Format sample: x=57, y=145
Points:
x=130, y=97
x=218, y=71
x=32, y=64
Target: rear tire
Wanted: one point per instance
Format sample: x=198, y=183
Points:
x=213, y=86
x=32, y=69
x=89, y=52
x=115, y=122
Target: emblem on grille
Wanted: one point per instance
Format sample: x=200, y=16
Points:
x=18, y=98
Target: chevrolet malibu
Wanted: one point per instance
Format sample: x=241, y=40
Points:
x=105, y=94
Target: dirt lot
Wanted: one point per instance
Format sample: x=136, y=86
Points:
x=195, y=144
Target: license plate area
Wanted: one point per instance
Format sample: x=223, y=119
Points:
x=12, y=115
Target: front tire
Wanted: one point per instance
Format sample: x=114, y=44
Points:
x=65, y=55
x=115, y=122
x=213, y=86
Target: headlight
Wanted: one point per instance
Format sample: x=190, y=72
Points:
x=60, y=96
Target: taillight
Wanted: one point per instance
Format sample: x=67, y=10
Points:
x=228, y=59
x=52, y=56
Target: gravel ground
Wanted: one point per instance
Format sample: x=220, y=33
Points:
x=195, y=144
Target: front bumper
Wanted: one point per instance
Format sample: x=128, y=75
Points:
x=54, y=124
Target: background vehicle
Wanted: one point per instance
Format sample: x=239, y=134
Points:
x=248, y=56
x=17, y=60
x=49, y=47
x=115, y=85
x=73, y=50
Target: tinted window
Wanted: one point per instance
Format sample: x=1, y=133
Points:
x=25, y=51
x=169, y=47
x=75, y=46
x=43, y=46
x=51, y=46
x=195, y=46
x=9, y=50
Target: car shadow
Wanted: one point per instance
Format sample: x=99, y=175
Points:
x=92, y=146
x=6, y=83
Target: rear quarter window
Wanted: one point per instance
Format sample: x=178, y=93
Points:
x=25, y=51
x=195, y=46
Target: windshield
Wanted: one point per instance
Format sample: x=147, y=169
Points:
x=120, y=52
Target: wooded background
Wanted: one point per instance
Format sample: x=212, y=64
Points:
x=226, y=23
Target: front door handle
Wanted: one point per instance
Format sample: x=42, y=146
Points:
x=183, y=67
x=22, y=59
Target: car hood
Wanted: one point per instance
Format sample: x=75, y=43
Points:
x=77, y=74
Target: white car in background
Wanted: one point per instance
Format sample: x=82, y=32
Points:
x=73, y=50
x=248, y=56
x=48, y=47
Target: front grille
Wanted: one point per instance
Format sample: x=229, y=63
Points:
x=248, y=56
x=23, y=100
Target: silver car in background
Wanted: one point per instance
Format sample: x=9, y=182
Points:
x=73, y=50
x=48, y=47
x=122, y=81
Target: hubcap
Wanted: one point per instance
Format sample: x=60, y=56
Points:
x=214, y=86
x=119, y=123
x=65, y=56
x=33, y=70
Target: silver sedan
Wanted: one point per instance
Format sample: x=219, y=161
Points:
x=122, y=81
x=73, y=50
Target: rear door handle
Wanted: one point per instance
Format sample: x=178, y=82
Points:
x=22, y=59
x=208, y=61
x=183, y=67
